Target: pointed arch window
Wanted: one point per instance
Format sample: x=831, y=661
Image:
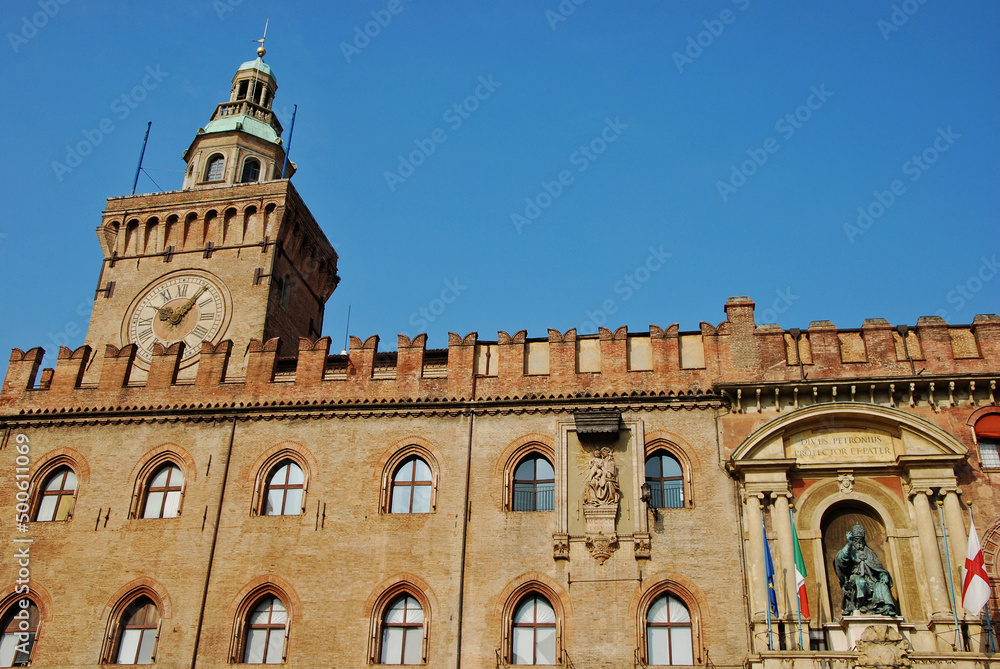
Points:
x=534, y=485
x=265, y=632
x=216, y=168
x=533, y=632
x=666, y=481
x=251, y=171
x=57, y=496
x=285, y=490
x=411, y=487
x=668, y=632
x=402, y=638
x=18, y=634
x=164, y=493
x=139, y=627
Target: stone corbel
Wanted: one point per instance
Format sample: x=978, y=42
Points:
x=560, y=546
x=601, y=546
x=642, y=545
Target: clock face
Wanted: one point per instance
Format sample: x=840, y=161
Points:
x=185, y=306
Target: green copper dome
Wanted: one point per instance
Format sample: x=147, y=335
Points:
x=246, y=123
x=260, y=66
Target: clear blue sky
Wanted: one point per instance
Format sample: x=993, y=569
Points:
x=642, y=109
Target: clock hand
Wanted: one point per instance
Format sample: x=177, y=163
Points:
x=186, y=307
x=166, y=313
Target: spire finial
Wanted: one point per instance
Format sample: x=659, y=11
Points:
x=260, y=50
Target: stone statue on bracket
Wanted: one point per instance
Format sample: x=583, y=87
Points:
x=866, y=584
x=602, y=488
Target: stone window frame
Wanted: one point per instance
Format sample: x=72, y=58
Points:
x=530, y=449
x=115, y=629
x=168, y=454
x=209, y=162
x=241, y=624
x=392, y=465
x=243, y=168
x=262, y=481
x=513, y=603
x=48, y=468
x=387, y=598
x=660, y=445
x=9, y=606
x=688, y=599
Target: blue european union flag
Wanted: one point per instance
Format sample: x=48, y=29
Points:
x=769, y=570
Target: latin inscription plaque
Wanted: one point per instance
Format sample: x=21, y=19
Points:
x=849, y=446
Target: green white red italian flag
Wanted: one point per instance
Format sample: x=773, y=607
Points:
x=800, y=575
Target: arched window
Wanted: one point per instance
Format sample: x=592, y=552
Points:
x=402, y=635
x=988, y=440
x=534, y=485
x=57, y=496
x=19, y=632
x=163, y=496
x=533, y=632
x=411, y=487
x=264, y=640
x=668, y=632
x=215, y=169
x=138, y=628
x=285, y=488
x=666, y=481
x=251, y=171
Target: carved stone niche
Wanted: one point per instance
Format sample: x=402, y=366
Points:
x=597, y=431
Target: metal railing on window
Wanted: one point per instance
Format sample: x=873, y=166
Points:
x=532, y=499
x=668, y=495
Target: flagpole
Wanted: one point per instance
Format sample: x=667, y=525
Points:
x=951, y=584
x=989, y=623
x=798, y=594
x=767, y=585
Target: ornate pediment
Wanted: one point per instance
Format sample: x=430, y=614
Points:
x=840, y=434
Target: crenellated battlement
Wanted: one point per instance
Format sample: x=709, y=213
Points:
x=166, y=226
x=661, y=362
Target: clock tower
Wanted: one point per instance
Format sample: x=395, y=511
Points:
x=234, y=255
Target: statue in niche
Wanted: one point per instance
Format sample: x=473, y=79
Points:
x=865, y=582
x=602, y=488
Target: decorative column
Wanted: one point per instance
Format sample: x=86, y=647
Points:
x=958, y=537
x=927, y=536
x=753, y=503
x=782, y=523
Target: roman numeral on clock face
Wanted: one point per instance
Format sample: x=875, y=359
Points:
x=145, y=322
x=144, y=335
x=166, y=295
x=200, y=331
x=207, y=316
x=182, y=290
